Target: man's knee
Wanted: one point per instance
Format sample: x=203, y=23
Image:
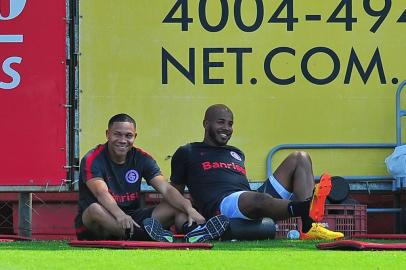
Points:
x=101, y=223
x=94, y=213
x=301, y=158
x=166, y=214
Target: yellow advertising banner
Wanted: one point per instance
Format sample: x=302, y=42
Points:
x=292, y=71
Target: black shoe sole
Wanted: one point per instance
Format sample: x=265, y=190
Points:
x=211, y=230
x=156, y=232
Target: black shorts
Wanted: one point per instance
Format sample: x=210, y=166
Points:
x=268, y=188
x=138, y=215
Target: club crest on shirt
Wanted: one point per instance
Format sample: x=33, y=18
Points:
x=235, y=155
x=132, y=176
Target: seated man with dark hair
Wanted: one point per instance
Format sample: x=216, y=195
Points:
x=109, y=194
x=215, y=175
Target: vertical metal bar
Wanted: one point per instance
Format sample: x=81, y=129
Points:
x=396, y=204
x=71, y=89
x=399, y=114
x=24, y=214
x=397, y=185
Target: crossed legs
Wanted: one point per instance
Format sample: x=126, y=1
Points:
x=104, y=226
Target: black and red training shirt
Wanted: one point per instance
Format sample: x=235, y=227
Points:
x=210, y=173
x=123, y=180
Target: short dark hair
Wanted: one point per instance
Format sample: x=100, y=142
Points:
x=121, y=117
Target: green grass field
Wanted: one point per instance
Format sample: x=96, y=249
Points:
x=273, y=254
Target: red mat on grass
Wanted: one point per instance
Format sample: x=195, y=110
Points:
x=11, y=238
x=380, y=236
x=138, y=245
x=359, y=245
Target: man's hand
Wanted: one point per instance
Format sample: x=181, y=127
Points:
x=194, y=216
x=176, y=200
x=126, y=222
x=100, y=190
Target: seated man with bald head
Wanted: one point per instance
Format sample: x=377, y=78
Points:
x=215, y=175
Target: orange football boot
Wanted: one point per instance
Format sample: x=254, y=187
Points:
x=321, y=191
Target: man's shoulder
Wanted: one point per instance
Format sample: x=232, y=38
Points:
x=94, y=158
x=196, y=146
x=186, y=151
x=95, y=152
x=141, y=153
x=190, y=147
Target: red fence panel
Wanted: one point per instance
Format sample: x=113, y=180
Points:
x=32, y=92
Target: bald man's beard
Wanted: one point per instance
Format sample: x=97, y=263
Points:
x=215, y=138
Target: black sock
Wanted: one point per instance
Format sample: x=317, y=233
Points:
x=299, y=208
x=306, y=223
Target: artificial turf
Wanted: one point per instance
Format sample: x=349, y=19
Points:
x=272, y=254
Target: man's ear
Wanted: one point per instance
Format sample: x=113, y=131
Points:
x=205, y=123
x=107, y=133
x=135, y=135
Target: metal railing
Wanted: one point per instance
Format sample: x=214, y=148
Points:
x=385, y=180
x=375, y=182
